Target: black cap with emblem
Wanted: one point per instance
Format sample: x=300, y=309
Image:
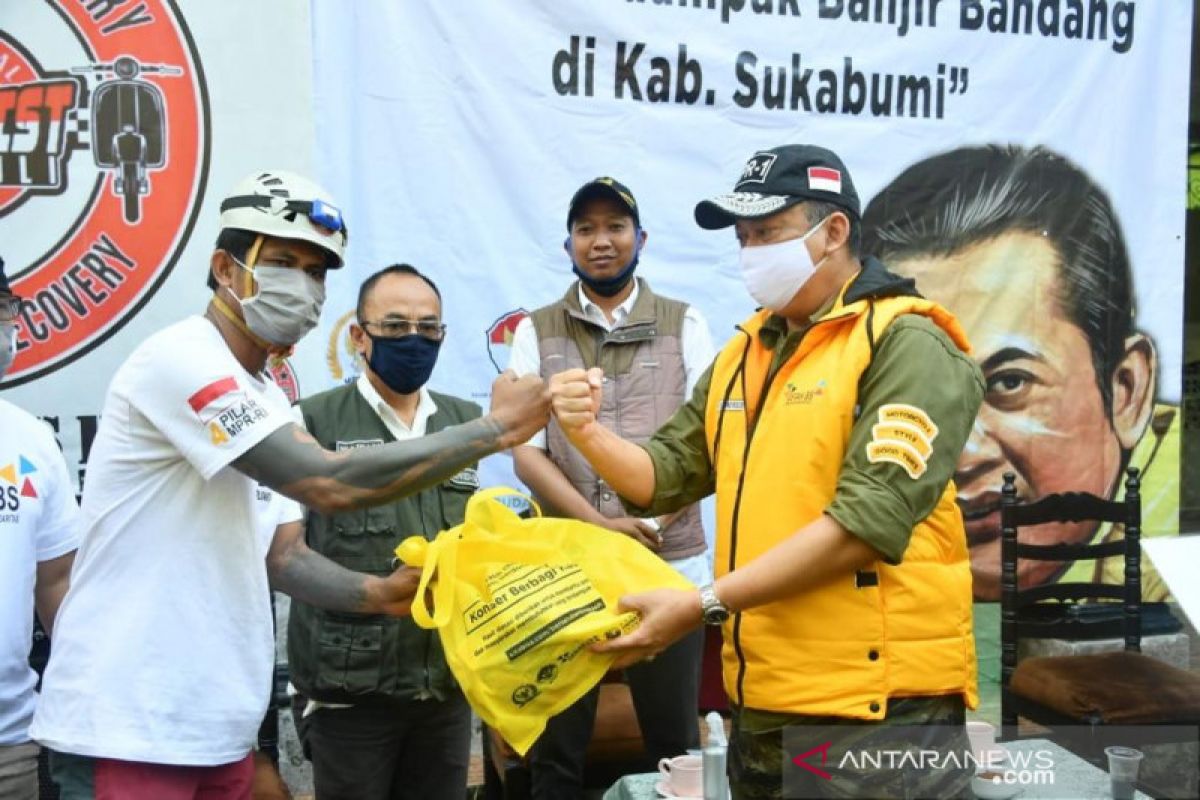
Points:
x=610, y=188
x=775, y=179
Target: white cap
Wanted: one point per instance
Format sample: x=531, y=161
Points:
x=287, y=206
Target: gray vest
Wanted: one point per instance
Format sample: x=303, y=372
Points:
x=644, y=384
x=340, y=657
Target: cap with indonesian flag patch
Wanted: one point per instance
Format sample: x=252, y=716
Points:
x=775, y=179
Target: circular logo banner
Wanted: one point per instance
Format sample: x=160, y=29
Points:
x=104, y=151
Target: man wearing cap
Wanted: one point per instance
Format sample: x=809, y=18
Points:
x=828, y=427
x=652, y=350
x=163, y=653
x=39, y=531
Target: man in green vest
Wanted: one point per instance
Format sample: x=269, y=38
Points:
x=653, y=350
x=828, y=428
x=384, y=718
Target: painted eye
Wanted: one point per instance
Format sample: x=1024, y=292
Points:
x=1008, y=389
x=1008, y=381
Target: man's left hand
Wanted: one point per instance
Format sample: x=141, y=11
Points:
x=667, y=616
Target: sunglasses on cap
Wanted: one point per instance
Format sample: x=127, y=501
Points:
x=318, y=212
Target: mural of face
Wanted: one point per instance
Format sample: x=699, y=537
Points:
x=1043, y=416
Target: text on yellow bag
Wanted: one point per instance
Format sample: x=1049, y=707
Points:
x=516, y=603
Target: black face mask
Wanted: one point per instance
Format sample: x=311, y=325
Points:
x=404, y=364
x=606, y=287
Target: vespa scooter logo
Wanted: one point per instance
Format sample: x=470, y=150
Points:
x=104, y=150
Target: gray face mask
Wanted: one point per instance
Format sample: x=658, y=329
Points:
x=8, y=346
x=287, y=306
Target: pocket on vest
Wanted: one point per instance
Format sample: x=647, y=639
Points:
x=350, y=656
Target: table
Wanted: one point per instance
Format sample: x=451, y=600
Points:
x=1069, y=777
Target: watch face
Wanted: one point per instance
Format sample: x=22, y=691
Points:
x=715, y=616
x=714, y=613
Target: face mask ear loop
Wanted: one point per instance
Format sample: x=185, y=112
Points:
x=815, y=228
x=275, y=351
x=250, y=262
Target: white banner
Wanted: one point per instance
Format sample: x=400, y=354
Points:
x=456, y=134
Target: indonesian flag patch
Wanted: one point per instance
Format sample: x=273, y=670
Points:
x=825, y=179
x=214, y=398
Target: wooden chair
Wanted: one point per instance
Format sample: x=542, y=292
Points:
x=1079, y=696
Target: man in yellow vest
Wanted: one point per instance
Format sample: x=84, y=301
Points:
x=828, y=427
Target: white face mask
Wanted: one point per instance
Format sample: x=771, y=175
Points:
x=287, y=306
x=773, y=273
x=8, y=346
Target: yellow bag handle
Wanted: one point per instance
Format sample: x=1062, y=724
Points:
x=496, y=492
x=441, y=556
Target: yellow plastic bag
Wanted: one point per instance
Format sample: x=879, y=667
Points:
x=517, y=602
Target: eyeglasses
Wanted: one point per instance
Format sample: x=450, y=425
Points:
x=397, y=327
x=10, y=307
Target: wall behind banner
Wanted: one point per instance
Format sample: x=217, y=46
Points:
x=455, y=138
x=233, y=83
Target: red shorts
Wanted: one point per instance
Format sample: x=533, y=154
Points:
x=133, y=780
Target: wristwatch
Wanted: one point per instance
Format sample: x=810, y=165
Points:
x=711, y=607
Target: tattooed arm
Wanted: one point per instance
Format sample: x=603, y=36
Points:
x=306, y=575
x=292, y=462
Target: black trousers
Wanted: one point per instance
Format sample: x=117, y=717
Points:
x=665, y=696
x=415, y=750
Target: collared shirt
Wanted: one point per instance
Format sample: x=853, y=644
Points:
x=426, y=408
x=698, y=353
x=596, y=314
x=695, y=341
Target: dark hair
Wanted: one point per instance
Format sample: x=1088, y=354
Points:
x=956, y=199
x=364, y=291
x=817, y=210
x=237, y=243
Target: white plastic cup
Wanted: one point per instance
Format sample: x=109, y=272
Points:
x=1123, y=763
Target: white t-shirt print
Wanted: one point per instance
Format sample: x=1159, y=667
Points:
x=163, y=647
x=39, y=521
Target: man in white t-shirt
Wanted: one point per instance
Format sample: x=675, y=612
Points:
x=39, y=530
x=163, y=660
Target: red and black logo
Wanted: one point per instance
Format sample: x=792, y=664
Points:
x=500, y=335
x=285, y=378
x=104, y=150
